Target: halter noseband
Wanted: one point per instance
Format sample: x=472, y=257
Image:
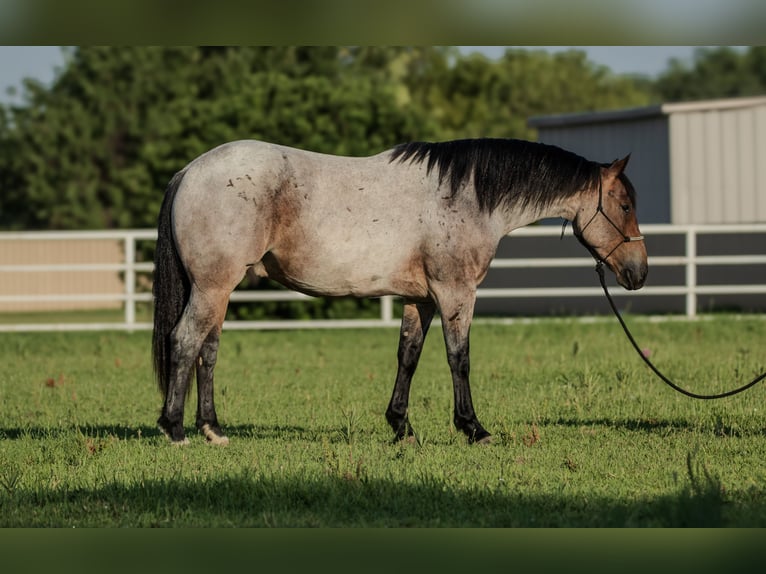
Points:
x=581, y=237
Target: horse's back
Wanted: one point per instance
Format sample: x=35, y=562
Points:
x=318, y=223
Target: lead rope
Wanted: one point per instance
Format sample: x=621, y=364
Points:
x=600, y=270
x=671, y=384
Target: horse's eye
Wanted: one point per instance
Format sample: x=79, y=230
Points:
x=625, y=208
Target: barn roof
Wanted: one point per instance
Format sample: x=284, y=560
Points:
x=583, y=118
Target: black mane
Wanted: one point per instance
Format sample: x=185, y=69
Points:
x=505, y=171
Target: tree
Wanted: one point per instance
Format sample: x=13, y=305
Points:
x=478, y=97
x=97, y=149
x=715, y=73
x=81, y=147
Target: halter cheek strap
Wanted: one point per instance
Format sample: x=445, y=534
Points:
x=600, y=210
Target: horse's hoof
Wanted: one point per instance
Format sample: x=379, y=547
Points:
x=174, y=432
x=480, y=436
x=217, y=440
x=213, y=437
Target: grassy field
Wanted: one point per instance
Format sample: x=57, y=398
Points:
x=584, y=433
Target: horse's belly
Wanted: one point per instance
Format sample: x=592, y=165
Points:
x=339, y=276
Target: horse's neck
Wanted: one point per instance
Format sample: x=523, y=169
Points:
x=516, y=217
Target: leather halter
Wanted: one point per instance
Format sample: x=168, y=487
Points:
x=600, y=210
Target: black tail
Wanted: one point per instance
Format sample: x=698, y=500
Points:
x=170, y=289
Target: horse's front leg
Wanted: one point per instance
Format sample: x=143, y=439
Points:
x=415, y=322
x=457, y=314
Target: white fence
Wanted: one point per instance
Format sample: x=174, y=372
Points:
x=129, y=268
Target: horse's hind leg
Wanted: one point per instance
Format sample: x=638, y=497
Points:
x=207, y=421
x=203, y=313
x=415, y=322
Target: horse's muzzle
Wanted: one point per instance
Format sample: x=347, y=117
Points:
x=633, y=275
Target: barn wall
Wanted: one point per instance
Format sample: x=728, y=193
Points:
x=718, y=159
x=645, y=139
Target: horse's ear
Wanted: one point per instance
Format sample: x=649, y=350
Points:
x=618, y=166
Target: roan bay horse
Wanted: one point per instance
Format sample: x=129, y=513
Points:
x=422, y=221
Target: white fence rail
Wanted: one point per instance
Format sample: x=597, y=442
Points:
x=131, y=295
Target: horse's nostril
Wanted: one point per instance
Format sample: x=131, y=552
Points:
x=628, y=275
x=633, y=277
x=636, y=277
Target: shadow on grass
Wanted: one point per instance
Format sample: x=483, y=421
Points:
x=43, y=432
x=123, y=432
x=294, y=432
x=353, y=500
x=333, y=501
x=654, y=426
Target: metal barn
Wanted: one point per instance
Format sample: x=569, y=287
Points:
x=692, y=163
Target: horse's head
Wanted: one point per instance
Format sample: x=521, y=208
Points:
x=606, y=225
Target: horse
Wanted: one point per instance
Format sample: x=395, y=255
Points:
x=421, y=221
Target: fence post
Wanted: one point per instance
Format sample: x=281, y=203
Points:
x=691, y=273
x=130, y=279
x=387, y=308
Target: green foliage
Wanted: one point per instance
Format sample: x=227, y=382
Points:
x=715, y=73
x=586, y=438
x=96, y=149
x=478, y=97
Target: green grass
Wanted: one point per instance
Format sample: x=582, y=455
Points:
x=584, y=433
x=143, y=314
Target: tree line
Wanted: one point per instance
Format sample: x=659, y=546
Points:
x=95, y=149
